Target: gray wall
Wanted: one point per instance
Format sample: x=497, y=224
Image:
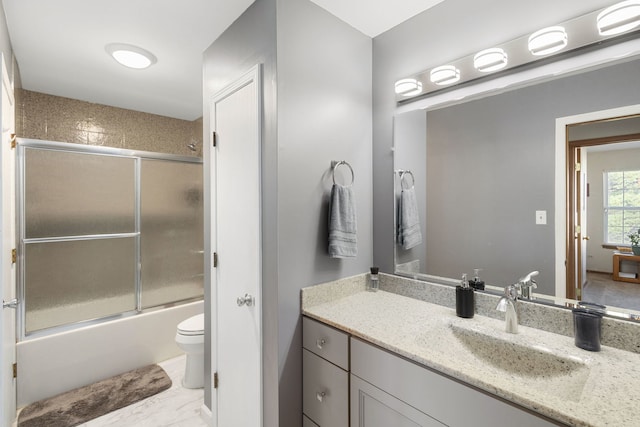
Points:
x=249, y=41
x=491, y=165
x=450, y=30
x=7, y=50
x=323, y=113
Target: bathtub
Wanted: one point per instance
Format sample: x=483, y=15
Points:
x=56, y=363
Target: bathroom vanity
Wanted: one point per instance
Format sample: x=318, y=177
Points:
x=381, y=359
x=385, y=389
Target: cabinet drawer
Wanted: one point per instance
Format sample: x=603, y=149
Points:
x=326, y=342
x=372, y=407
x=325, y=391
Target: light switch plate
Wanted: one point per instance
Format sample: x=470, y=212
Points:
x=541, y=217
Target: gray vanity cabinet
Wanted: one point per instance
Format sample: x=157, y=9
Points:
x=387, y=390
x=349, y=382
x=372, y=407
x=325, y=376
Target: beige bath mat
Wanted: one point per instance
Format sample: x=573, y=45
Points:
x=86, y=403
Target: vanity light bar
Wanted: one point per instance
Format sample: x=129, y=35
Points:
x=489, y=60
x=619, y=18
x=614, y=23
x=444, y=75
x=547, y=41
x=408, y=87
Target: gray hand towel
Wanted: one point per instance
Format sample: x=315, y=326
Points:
x=409, y=234
x=342, y=223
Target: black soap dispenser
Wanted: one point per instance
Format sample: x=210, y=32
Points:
x=476, y=283
x=465, y=304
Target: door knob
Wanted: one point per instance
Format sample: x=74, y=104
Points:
x=245, y=300
x=586, y=238
x=10, y=304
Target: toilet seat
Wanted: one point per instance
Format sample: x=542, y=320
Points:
x=192, y=326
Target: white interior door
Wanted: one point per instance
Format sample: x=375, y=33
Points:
x=236, y=238
x=584, y=231
x=7, y=266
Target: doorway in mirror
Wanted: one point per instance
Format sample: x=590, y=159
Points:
x=603, y=201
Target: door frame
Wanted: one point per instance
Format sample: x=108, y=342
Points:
x=564, y=189
x=254, y=75
x=8, y=240
x=577, y=219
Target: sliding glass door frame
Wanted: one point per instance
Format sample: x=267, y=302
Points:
x=23, y=241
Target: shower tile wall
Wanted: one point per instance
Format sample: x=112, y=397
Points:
x=53, y=118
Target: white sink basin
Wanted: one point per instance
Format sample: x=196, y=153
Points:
x=515, y=358
x=508, y=357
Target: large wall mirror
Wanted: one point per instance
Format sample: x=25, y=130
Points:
x=484, y=177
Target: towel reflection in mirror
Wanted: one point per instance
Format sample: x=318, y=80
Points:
x=409, y=233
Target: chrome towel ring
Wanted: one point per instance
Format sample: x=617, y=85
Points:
x=335, y=166
x=402, y=180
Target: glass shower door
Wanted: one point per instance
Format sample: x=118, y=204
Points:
x=105, y=232
x=79, y=237
x=171, y=233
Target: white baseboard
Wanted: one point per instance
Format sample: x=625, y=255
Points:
x=206, y=415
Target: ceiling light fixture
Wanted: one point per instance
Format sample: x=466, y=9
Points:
x=547, y=41
x=488, y=60
x=131, y=56
x=408, y=87
x=444, y=75
x=619, y=18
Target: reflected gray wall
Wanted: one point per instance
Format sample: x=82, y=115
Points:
x=491, y=165
x=410, y=153
x=419, y=44
x=323, y=113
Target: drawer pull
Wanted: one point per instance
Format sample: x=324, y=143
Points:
x=321, y=395
x=320, y=343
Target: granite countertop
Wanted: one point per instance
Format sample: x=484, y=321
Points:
x=595, y=388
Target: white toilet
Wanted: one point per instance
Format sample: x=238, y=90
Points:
x=190, y=339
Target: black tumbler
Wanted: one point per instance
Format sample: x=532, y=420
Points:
x=465, y=305
x=586, y=328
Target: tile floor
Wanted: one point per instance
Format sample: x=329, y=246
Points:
x=175, y=407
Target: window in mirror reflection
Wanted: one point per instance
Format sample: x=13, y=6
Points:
x=622, y=205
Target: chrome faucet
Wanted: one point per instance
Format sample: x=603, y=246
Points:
x=507, y=305
x=526, y=285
